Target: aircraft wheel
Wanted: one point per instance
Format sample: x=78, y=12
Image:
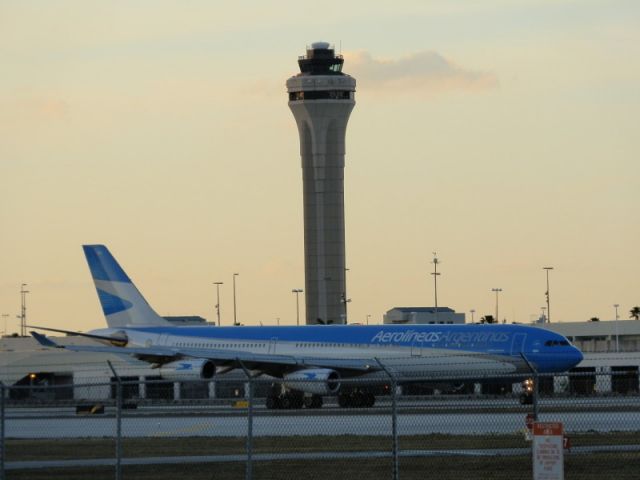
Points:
x=344, y=400
x=297, y=401
x=526, y=399
x=314, y=401
x=357, y=399
x=285, y=402
x=272, y=402
x=369, y=400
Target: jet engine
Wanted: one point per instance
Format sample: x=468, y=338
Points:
x=319, y=381
x=181, y=370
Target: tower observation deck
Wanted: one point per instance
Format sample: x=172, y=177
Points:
x=321, y=98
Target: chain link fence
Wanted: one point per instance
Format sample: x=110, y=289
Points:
x=245, y=427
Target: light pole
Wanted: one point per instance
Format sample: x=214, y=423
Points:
x=368, y=317
x=435, y=282
x=217, y=284
x=497, y=290
x=297, y=291
x=5, y=316
x=345, y=298
x=616, y=305
x=544, y=317
x=547, y=294
x=235, y=318
x=472, y=315
x=23, y=310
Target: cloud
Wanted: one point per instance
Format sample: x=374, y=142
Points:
x=427, y=72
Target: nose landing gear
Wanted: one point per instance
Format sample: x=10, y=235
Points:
x=526, y=397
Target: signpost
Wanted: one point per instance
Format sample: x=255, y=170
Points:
x=548, y=459
x=529, y=421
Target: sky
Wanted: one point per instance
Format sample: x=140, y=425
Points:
x=501, y=134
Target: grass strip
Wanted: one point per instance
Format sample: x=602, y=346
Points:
x=592, y=467
x=66, y=449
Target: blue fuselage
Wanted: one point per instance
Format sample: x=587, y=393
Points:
x=457, y=348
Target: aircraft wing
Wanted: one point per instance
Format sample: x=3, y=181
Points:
x=231, y=358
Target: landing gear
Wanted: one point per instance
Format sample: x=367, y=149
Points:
x=313, y=401
x=356, y=398
x=526, y=397
x=279, y=399
x=291, y=400
x=272, y=402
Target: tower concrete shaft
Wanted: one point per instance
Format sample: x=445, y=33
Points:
x=321, y=98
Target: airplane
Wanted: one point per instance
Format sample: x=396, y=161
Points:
x=308, y=362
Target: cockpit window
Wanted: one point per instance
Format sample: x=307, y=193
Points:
x=556, y=343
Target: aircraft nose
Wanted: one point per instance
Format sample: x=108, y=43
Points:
x=577, y=357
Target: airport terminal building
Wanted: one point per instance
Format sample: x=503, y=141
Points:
x=611, y=355
x=422, y=315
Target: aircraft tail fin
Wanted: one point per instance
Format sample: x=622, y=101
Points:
x=123, y=305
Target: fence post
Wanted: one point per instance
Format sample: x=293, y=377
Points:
x=394, y=420
x=536, y=391
x=249, y=470
x=119, y=394
x=536, y=378
x=2, y=431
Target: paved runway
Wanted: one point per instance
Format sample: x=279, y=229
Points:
x=301, y=424
x=469, y=405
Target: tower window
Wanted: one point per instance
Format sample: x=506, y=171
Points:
x=321, y=95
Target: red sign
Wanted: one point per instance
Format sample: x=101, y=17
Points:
x=547, y=428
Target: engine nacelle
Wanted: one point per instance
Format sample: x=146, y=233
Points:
x=181, y=370
x=319, y=381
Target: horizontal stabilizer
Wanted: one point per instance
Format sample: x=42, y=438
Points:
x=44, y=341
x=120, y=340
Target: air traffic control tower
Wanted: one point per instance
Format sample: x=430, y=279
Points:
x=321, y=98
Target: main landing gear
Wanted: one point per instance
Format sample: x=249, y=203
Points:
x=292, y=399
x=356, y=398
x=282, y=399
